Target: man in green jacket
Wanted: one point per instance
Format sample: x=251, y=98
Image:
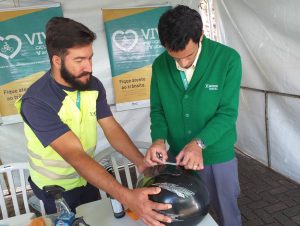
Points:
x=194, y=106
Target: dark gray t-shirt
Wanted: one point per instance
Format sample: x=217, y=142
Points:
x=42, y=102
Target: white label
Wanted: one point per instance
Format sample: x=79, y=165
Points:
x=116, y=205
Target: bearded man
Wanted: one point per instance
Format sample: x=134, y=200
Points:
x=61, y=112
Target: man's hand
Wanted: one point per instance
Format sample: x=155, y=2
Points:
x=156, y=154
x=190, y=157
x=141, y=166
x=137, y=200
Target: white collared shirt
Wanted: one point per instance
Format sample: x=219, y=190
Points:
x=190, y=71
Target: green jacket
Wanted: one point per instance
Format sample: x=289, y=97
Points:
x=207, y=110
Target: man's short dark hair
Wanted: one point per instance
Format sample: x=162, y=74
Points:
x=64, y=33
x=178, y=26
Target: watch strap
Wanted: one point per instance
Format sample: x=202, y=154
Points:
x=200, y=143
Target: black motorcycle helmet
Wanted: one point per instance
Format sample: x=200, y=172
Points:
x=181, y=188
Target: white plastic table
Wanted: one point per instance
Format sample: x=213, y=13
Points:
x=21, y=220
x=100, y=213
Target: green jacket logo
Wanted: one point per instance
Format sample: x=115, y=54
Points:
x=10, y=46
x=125, y=41
x=212, y=87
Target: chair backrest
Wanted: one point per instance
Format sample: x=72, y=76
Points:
x=122, y=167
x=12, y=174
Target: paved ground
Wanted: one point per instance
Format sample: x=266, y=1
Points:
x=267, y=198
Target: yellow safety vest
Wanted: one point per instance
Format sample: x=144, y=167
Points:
x=47, y=167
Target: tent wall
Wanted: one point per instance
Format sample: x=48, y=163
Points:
x=267, y=34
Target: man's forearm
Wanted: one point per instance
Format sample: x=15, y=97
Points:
x=124, y=145
x=96, y=175
x=121, y=142
x=70, y=149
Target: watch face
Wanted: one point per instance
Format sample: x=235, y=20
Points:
x=200, y=143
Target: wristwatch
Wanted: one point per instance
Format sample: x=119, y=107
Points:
x=200, y=143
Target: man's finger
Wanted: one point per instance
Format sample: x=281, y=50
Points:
x=179, y=157
x=162, y=218
x=149, y=162
x=151, y=222
x=152, y=190
x=187, y=161
x=161, y=206
x=200, y=166
x=159, y=216
x=159, y=157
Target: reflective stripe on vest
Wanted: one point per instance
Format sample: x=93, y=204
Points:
x=56, y=163
x=50, y=174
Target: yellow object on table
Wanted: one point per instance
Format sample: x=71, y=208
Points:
x=132, y=215
x=41, y=221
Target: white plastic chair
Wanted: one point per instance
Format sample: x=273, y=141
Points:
x=109, y=157
x=16, y=176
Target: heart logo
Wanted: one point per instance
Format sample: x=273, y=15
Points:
x=125, y=41
x=7, y=51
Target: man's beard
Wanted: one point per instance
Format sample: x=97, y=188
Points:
x=72, y=80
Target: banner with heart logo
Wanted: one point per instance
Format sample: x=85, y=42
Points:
x=23, y=53
x=133, y=44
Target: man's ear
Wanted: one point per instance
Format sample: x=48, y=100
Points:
x=56, y=60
